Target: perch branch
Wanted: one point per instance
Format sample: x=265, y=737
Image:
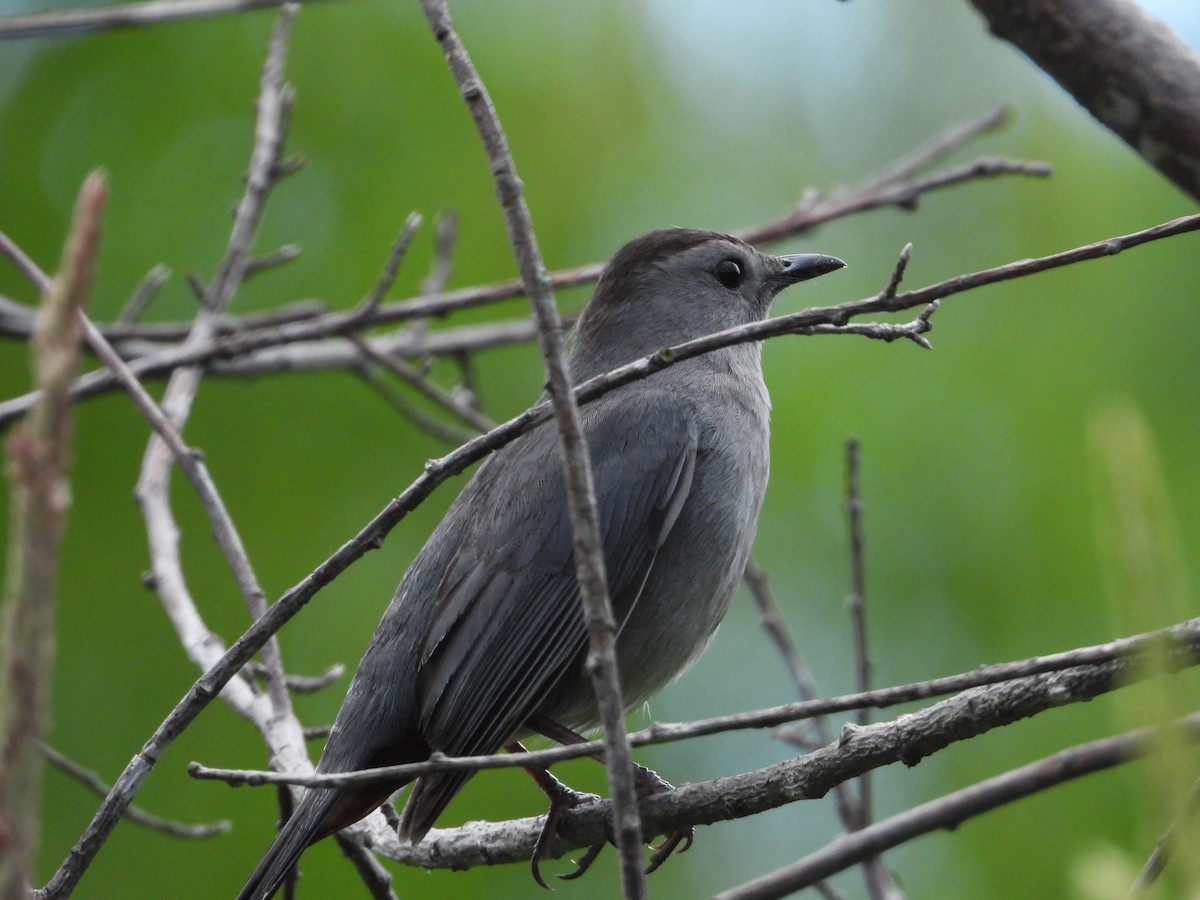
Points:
x=907, y=739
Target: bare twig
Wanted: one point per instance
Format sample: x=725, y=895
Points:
x=278, y=257
x=143, y=295
x=440, y=270
x=192, y=464
x=302, y=684
x=443, y=431
x=1166, y=845
x=772, y=622
x=879, y=881
x=581, y=499
x=811, y=211
x=411, y=376
x=40, y=460
x=952, y=810
x=953, y=138
x=98, y=786
x=246, y=354
x=387, y=278
x=129, y=15
x=25, y=265
x=849, y=808
x=375, y=877
x=856, y=601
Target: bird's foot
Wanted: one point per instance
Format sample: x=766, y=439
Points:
x=562, y=798
x=647, y=783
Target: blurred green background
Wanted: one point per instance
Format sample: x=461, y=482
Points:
x=983, y=460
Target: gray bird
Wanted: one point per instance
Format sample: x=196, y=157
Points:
x=484, y=641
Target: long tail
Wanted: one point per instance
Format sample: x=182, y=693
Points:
x=307, y=824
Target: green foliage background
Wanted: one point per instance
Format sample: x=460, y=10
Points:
x=980, y=476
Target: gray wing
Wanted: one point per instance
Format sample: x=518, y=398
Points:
x=508, y=621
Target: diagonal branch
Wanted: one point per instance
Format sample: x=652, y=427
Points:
x=1125, y=67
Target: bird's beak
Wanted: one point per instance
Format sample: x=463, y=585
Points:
x=803, y=266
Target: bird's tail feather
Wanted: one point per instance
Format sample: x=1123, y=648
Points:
x=429, y=799
x=305, y=826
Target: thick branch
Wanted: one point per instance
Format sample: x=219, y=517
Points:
x=1125, y=67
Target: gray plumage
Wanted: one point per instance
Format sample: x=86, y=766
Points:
x=485, y=630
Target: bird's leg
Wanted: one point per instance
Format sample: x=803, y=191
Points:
x=647, y=783
x=562, y=798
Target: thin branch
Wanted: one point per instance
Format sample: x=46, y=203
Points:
x=577, y=470
x=449, y=434
x=26, y=266
x=772, y=622
x=152, y=491
x=415, y=379
x=302, y=684
x=879, y=881
x=129, y=15
x=376, y=879
x=280, y=256
x=192, y=464
x=442, y=267
x=246, y=352
x=856, y=601
x=143, y=295
x=98, y=786
x=811, y=211
x=849, y=804
x=939, y=147
x=387, y=278
x=952, y=810
x=1166, y=845
x=39, y=455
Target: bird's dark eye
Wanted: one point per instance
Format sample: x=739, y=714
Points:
x=729, y=273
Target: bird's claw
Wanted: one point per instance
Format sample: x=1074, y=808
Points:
x=583, y=863
x=561, y=798
x=670, y=843
x=647, y=783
